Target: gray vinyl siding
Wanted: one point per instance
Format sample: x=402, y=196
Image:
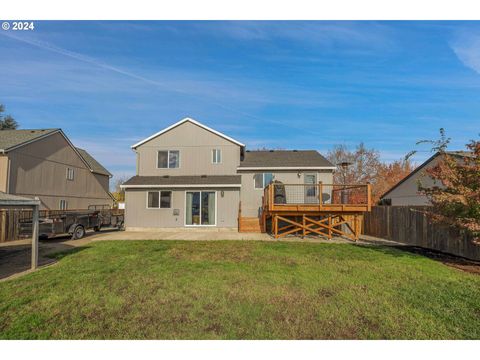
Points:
x=39, y=169
x=407, y=192
x=251, y=198
x=195, y=145
x=138, y=216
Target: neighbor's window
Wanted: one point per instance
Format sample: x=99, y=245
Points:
x=63, y=204
x=262, y=180
x=168, y=159
x=166, y=199
x=159, y=200
x=153, y=199
x=70, y=174
x=216, y=156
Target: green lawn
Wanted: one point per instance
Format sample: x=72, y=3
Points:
x=241, y=290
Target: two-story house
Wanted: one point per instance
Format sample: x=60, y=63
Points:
x=44, y=163
x=189, y=175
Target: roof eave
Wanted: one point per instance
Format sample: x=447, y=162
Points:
x=193, y=121
x=246, y=168
x=143, y=186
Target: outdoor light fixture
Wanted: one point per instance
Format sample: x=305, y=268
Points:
x=344, y=165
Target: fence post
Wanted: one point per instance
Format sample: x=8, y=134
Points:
x=35, y=237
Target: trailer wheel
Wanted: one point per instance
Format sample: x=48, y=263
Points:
x=121, y=226
x=78, y=233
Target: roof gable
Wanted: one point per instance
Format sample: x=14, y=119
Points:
x=11, y=139
x=458, y=154
x=182, y=122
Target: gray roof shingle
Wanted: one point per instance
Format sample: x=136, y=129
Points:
x=284, y=158
x=12, y=138
x=94, y=165
x=184, y=180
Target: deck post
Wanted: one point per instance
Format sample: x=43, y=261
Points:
x=355, y=227
x=270, y=197
x=303, y=223
x=320, y=195
x=330, y=226
x=275, y=218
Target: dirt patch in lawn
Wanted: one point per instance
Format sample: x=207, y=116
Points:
x=457, y=262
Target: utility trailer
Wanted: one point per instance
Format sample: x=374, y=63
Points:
x=75, y=223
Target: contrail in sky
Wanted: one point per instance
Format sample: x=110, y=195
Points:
x=100, y=64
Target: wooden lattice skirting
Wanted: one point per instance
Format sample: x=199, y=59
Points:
x=328, y=225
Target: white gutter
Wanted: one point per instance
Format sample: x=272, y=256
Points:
x=181, y=186
x=287, y=168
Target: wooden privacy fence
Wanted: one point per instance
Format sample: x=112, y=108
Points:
x=411, y=225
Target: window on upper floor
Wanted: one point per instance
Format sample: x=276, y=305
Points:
x=70, y=174
x=168, y=159
x=216, y=156
x=261, y=180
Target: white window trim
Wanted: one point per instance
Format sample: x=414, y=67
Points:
x=314, y=185
x=159, y=200
x=60, y=204
x=221, y=160
x=263, y=180
x=168, y=160
x=73, y=174
x=185, y=211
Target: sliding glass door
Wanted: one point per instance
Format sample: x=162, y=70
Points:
x=200, y=208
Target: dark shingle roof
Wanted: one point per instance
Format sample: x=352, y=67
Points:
x=185, y=180
x=284, y=158
x=12, y=138
x=461, y=153
x=93, y=164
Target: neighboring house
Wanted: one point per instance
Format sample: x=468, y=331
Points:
x=189, y=175
x=44, y=163
x=406, y=192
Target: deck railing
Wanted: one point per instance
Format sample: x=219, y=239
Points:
x=316, y=196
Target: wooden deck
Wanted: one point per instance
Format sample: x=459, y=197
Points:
x=318, y=209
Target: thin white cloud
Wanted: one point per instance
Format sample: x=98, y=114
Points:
x=467, y=48
x=356, y=34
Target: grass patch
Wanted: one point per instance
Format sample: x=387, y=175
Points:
x=241, y=290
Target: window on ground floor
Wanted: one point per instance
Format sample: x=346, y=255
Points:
x=159, y=199
x=200, y=208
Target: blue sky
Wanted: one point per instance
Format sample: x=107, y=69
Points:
x=298, y=85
